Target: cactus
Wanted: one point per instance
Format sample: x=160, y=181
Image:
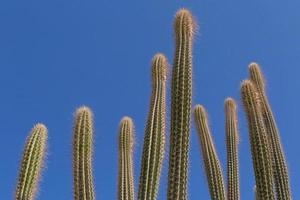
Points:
x=210, y=157
x=126, y=140
x=259, y=142
x=154, y=139
x=83, y=154
x=232, y=141
x=181, y=106
x=32, y=162
x=280, y=170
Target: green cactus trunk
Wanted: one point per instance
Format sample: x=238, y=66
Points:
x=83, y=154
x=154, y=139
x=209, y=154
x=260, y=150
x=181, y=106
x=32, y=162
x=126, y=141
x=280, y=169
x=232, y=141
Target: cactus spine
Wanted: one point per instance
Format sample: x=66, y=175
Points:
x=154, y=139
x=32, y=162
x=280, y=169
x=82, y=155
x=181, y=106
x=232, y=141
x=210, y=157
x=126, y=140
x=259, y=142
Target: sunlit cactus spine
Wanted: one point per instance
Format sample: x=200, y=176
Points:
x=154, y=139
x=181, y=102
x=280, y=169
x=32, y=163
x=211, y=161
x=260, y=150
x=232, y=141
x=126, y=141
x=83, y=155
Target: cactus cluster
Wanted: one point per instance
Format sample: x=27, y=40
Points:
x=269, y=164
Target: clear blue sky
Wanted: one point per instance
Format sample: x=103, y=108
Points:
x=57, y=55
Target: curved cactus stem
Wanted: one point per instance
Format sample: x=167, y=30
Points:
x=154, y=139
x=280, y=169
x=83, y=154
x=259, y=142
x=126, y=141
x=181, y=106
x=32, y=162
x=232, y=141
x=209, y=154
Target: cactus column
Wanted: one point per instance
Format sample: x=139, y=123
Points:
x=232, y=140
x=32, y=162
x=280, y=170
x=260, y=150
x=82, y=155
x=181, y=106
x=210, y=158
x=126, y=140
x=154, y=139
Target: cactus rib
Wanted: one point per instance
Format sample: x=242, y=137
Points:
x=259, y=142
x=181, y=106
x=32, y=162
x=83, y=154
x=232, y=140
x=210, y=158
x=280, y=169
x=126, y=140
x=154, y=139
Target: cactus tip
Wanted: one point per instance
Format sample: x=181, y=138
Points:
x=184, y=18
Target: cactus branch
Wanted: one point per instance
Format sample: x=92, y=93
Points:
x=32, y=162
x=181, y=106
x=126, y=140
x=154, y=139
x=210, y=158
x=82, y=155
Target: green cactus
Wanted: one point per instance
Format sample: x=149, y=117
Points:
x=32, y=162
x=209, y=154
x=232, y=141
x=83, y=154
x=280, y=169
x=181, y=106
x=126, y=141
x=260, y=150
x=154, y=139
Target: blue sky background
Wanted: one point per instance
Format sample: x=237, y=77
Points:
x=57, y=55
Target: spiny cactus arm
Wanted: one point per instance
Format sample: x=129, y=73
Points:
x=259, y=142
x=83, y=154
x=210, y=158
x=232, y=141
x=32, y=162
x=154, y=139
x=280, y=169
x=181, y=106
x=126, y=141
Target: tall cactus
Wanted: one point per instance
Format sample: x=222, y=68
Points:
x=154, y=139
x=280, y=169
x=232, y=141
x=181, y=106
x=83, y=154
x=126, y=140
x=210, y=158
x=260, y=150
x=32, y=162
